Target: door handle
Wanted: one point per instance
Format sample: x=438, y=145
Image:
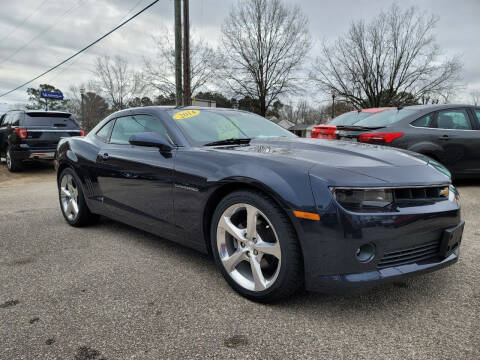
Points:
x=444, y=137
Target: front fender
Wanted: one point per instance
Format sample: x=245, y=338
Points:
x=290, y=187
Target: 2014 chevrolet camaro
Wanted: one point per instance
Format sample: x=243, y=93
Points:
x=277, y=212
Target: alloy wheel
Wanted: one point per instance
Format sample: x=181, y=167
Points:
x=69, y=197
x=248, y=247
x=9, y=160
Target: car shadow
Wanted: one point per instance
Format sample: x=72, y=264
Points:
x=419, y=289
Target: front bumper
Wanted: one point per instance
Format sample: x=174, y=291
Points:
x=351, y=283
x=330, y=246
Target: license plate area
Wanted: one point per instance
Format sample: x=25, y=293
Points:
x=451, y=239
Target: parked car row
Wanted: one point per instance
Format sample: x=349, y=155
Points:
x=327, y=131
x=449, y=134
x=27, y=136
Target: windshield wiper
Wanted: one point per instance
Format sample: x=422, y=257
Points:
x=229, y=141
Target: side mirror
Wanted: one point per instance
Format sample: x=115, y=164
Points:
x=150, y=139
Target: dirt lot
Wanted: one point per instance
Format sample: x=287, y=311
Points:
x=34, y=173
x=113, y=292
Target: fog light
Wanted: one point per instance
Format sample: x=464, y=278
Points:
x=365, y=253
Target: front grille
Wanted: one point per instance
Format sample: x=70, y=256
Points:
x=433, y=193
x=410, y=255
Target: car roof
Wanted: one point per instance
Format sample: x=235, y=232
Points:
x=433, y=107
x=40, y=112
x=375, y=110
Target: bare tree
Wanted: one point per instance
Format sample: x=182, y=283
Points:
x=393, y=60
x=264, y=44
x=475, y=97
x=118, y=82
x=303, y=113
x=95, y=106
x=160, y=71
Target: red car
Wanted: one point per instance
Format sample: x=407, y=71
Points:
x=327, y=131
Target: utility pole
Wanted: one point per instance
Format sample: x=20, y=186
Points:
x=333, y=103
x=187, y=93
x=82, y=94
x=178, y=52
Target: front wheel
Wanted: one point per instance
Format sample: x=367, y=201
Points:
x=72, y=201
x=255, y=247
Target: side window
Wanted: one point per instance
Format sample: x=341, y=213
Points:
x=477, y=112
x=453, y=119
x=424, y=121
x=129, y=125
x=7, y=119
x=104, y=132
x=15, y=118
x=2, y=120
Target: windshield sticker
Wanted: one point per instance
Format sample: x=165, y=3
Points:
x=186, y=114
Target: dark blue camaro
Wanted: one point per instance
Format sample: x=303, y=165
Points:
x=277, y=212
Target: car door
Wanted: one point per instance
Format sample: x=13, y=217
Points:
x=458, y=138
x=136, y=182
x=474, y=156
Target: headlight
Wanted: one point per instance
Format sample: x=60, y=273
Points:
x=364, y=200
x=391, y=199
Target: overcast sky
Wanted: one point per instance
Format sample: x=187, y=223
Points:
x=55, y=30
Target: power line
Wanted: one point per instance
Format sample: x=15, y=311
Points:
x=54, y=77
x=52, y=25
x=82, y=50
x=23, y=21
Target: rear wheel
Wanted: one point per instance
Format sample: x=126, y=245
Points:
x=255, y=247
x=72, y=200
x=13, y=165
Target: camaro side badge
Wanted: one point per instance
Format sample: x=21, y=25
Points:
x=186, y=114
x=186, y=187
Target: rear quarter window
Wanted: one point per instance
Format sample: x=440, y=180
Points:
x=14, y=118
x=104, y=132
x=424, y=121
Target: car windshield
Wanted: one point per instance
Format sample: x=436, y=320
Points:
x=385, y=118
x=349, y=118
x=205, y=126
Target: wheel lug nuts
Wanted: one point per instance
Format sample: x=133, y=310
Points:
x=255, y=252
x=242, y=244
x=248, y=253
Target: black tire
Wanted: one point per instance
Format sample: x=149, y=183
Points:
x=290, y=276
x=13, y=165
x=84, y=216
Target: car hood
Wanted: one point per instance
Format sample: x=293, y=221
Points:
x=339, y=159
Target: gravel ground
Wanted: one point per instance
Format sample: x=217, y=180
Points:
x=114, y=292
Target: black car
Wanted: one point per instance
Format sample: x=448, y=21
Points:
x=276, y=211
x=34, y=135
x=449, y=134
